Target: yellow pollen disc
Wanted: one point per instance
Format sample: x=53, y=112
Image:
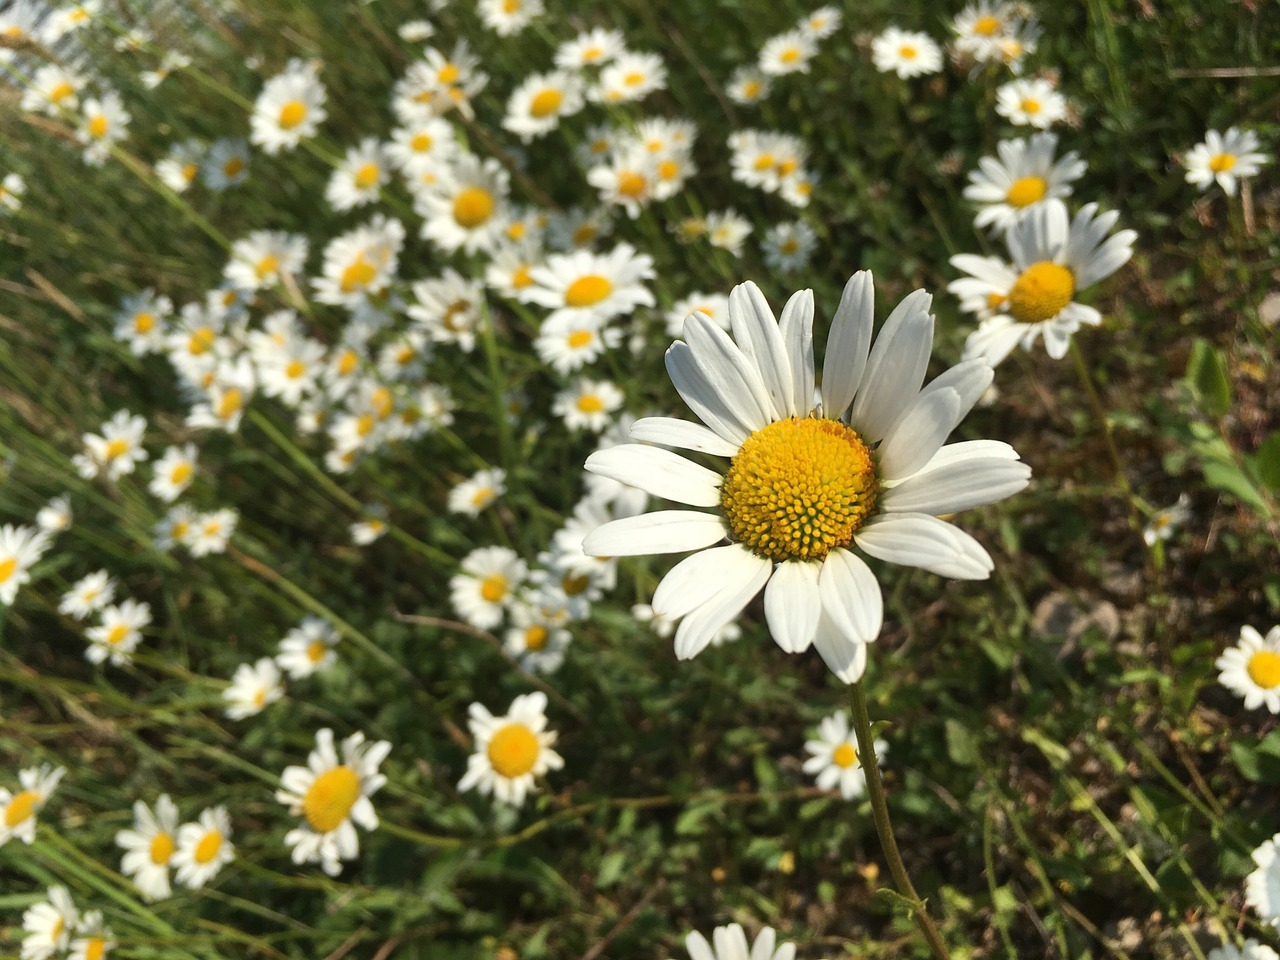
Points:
x=13, y=30
x=383, y=401
x=493, y=587
x=21, y=807
x=161, y=848
x=632, y=184
x=292, y=114
x=631, y=79
x=208, y=847
x=1222, y=162
x=668, y=170
x=511, y=6
x=449, y=73
x=7, y=567
x=364, y=424
x=61, y=92
x=587, y=291
x=260, y=697
x=789, y=55
x=1030, y=105
x=201, y=341
x=579, y=339
x=546, y=103
x=751, y=89
x=590, y=403
x=513, y=750
x=117, y=634
x=316, y=650
x=420, y=143
x=267, y=266
x=98, y=126
x=472, y=207
x=587, y=232
x=117, y=448
x=358, y=275
x=1041, y=291
x=1264, y=669
x=405, y=354
x=765, y=161
x=521, y=277
x=347, y=362
x=230, y=403
x=986, y=26
x=179, y=529
x=797, y=489
x=591, y=54
x=144, y=322
x=844, y=755
x=789, y=246
x=907, y=53
x=1025, y=191
x=535, y=638
x=233, y=167
x=189, y=171
x=95, y=949
x=482, y=497
x=295, y=369
x=517, y=230
x=367, y=176
x=56, y=930
x=180, y=474
x=573, y=586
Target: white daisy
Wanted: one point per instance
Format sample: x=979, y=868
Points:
x=209, y=532
x=289, y=109
x=1224, y=158
x=173, y=528
x=1262, y=887
x=226, y=164
x=466, y=211
x=415, y=31
x=360, y=177
x=591, y=286
x=332, y=797
x=1024, y=174
x=1166, y=521
x=748, y=85
x=822, y=23
x=308, y=647
x=93, y=940
x=52, y=90
x=54, y=516
x=119, y=632
x=18, y=810
x=536, y=107
x=478, y=491
x=511, y=750
x=427, y=143
x=790, y=527
x=727, y=230
x=1252, y=950
x=252, y=689
x=103, y=122
x=365, y=532
x=140, y=322
x=20, y=549
x=788, y=52
x=568, y=343
x=508, y=17
x=1054, y=258
x=628, y=178
x=150, y=846
x=449, y=308
x=788, y=246
x=264, y=257
x=630, y=77
x=88, y=595
x=49, y=925
x=593, y=48
x=12, y=189
x=116, y=451
x=1252, y=668
x=713, y=305
x=834, y=757
x=535, y=640
x=173, y=472
x=730, y=943
x=1031, y=102
x=204, y=848
x=587, y=404
x=487, y=585
x=980, y=26
x=906, y=53
x=361, y=263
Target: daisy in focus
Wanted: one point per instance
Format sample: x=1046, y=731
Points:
x=18, y=810
x=149, y=847
x=1262, y=887
x=333, y=797
x=1054, y=257
x=511, y=750
x=730, y=943
x=1252, y=668
x=807, y=482
x=1224, y=158
x=1022, y=176
x=834, y=757
x=906, y=53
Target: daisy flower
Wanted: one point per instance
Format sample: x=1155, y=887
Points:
x=593, y=48
x=226, y=164
x=12, y=187
x=252, y=689
x=788, y=52
x=18, y=810
x=787, y=247
x=70, y=18
x=980, y=26
x=119, y=632
x=487, y=585
x=1024, y=174
x=834, y=757
x=149, y=847
x=466, y=211
x=587, y=404
x=478, y=492
x=333, y=797
x=906, y=53
x=822, y=23
x=730, y=943
x=1222, y=158
x=1252, y=668
x=439, y=83
x=727, y=229
x=536, y=107
x=20, y=549
x=173, y=528
x=713, y=305
x=1031, y=102
x=511, y=750
x=508, y=17
x=52, y=89
x=102, y=123
x=140, y=322
x=448, y=308
x=53, y=517
x=567, y=343
x=1252, y=950
x=365, y=532
x=415, y=31
x=204, y=848
x=289, y=109
x=116, y=451
x=88, y=595
x=630, y=77
x=591, y=286
x=536, y=641
x=748, y=85
x=360, y=177
x=173, y=472
x=1262, y=887
x=1054, y=258
x=1167, y=520
x=93, y=940
x=360, y=264
x=628, y=179
x=791, y=529
x=227, y=390
x=209, y=532
x=427, y=143
x=262, y=258
x=49, y=925
x=308, y=647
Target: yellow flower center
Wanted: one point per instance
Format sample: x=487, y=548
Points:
x=789, y=246
x=233, y=167
x=1030, y=105
x=95, y=949
x=799, y=488
x=382, y=401
x=521, y=277
x=472, y=207
x=13, y=30
x=98, y=126
x=358, y=275
x=587, y=232
x=161, y=848
x=364, y=424
x=751, y=89
x=579, y=339
x=1025, y=191
x=572, y=586
x=517, y=230
x=986, y=26
x=592, y=54
x=201, y=341
x=1041, y=291
x=316, y=650
x=587, y=291
x=180, y=474
x=179, y=529
x=55, y=932
x=668, y=170
x=420, y=143
x=844, y=755
x=493, y=587
x=61, y=92
x=765, y=161
x=1264, y=669
x=590, y=403
x=1222, y=162
x=189, y=171
x=117, y=448
x=535, y=637
x=267, y=266
x=117, y=634
x=295, y=369
x=230, y=404
x=632, y=79
x=789, y=55
x=513, y=750
x=21, y=808
x=208, y=847
x=144, y=322
x=907, y=52
x=449, y=73
x=292, y=114
x=631, y=184
x=7, y=566
x=546, y=103
x=347, y=362
x=367, y=176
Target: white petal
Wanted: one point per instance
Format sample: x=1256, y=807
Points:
x=698, y=576
x=895, y=368
x=791, y=604
x=760, y=340
x=703, y=400
x=698, y=947
x=844, y=657
x=671, y=432
x=973, y=483
x=727, y=370
x=847, y=344
x=658, y=472
x=850, y=596
x=919, y=540
x=919, y=434
x=762, y=949
x=698, y=627
x=663, y=531
x=796, y=326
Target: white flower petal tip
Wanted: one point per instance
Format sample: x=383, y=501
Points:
x=920, y=540
x=792, y=605
x=663, y=531
x=657, y=472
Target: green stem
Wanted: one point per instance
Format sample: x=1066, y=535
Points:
x=880, y=813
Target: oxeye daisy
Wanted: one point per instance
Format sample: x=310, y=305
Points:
x=593, y=48
x=535, y=640
x=808, y=481
x=252, y=689
x=53, y=89
x=93, y=939
x=906, y=53
x=834, y=757
x=209, y=532
x=511, y=750
x=1252, y=668
x=49, y=925
x=360, y=177
x=204, y=848
x=478, y=492
x=536, y=106
x=1054, y=258
x=226, y=164
x=308, y=647
x=629, y=179
x=262, y=258
x=631, y=76
x=88, y=595
x=508, y=17
x=1252, y=950
x=54, y=516
x=1165, y=522
x=979, y=27
x=1024, y=174
x=173, y=472
x=426, y=143
x=117, y=450
x=1262, y=887
x=18, y=810
x=150, y=846
x=591, y=286
x=730, y=943
x=119, y=633
x=333, y=796
x=822, y=23
x=788, y=52
x=103, y=122
x=1224, y=158
x=1031, y=103
x=449, y=308
x=20, y=549
x=140, y=322
x=566, y=343
x=727, y=229
x=713, y=305
x=12, y=188
x=748, y=85
x=289, y=109
x=487, y=585
x=466, y=210
x=787, y=247
x=587, y=404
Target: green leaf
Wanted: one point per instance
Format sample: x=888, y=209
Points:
x=1231, y=479
x=1257, y=762
x=962, y=745
x=1207, y=378
x=1267, y=460
x=611, y=868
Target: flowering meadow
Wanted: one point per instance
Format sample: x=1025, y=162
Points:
x=729, y=481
